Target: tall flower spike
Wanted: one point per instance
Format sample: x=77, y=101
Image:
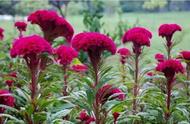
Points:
x=52, y=25
x=169, y=68
x=31, y=49
x=167, y=31
x=6, y=99
x=1, y=33
x=139, y=36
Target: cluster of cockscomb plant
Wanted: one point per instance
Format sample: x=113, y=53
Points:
x=47, y=83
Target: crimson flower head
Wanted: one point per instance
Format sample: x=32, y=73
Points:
x=79, y=68
x=1, y=33
x=159, y=57
x=170, y=68
x=6, y=99
x=65, y=54
x=107, y=91
x=167, y=31
x=124, y=53
x=139, y=36
x=85, y=118
x=51, y=24
x=94, y=44
x=9, y=82
x=185, y=55
x=30, y=46
x=21, y=26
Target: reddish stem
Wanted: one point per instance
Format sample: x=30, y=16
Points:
x=188, y=78
x=135, y=88
x=65, y=81
x=1, y=120
x=168, y=100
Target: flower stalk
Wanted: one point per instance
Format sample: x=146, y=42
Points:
x=168, y=100
x=135, y=88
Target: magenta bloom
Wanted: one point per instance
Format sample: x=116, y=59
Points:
x=94, y=44
x=1, y=33
x=6, y=99
x=159, y=57
x=85, y=118
x=51, y=24
x=124, y=53
x=9, y=82
x=185, y=55
x=21, y=26
x=107, y=91
x=65, y=54
x=167, y=30
x=139, y=36
x=30, y=46
x=79, y=68
x=170, y=68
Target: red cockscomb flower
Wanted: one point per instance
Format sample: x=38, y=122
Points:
x=159, y=57
x=85, y=118
x=9, y=82
x=124, y=53
x=51, y=24
x=107, y=91
x=170, y=68
x=94, y=43
x=79, y=68
x=115, y=116
x=1, y=33
x=185, y=55
x=139, y=36
x=65, y=54
x=30, y=46
x=167, y=31
x=6, y=99
x=21, y=26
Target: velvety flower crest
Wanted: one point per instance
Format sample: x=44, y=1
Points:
x=30, y=45
x=185, y=55
x=124, y=53
x=170, y=67
x=93, y=41
x=139, y=36
x=52, y=24
x=65, y=54
x=21, y=26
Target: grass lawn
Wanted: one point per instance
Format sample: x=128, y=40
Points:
x=149, y=20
